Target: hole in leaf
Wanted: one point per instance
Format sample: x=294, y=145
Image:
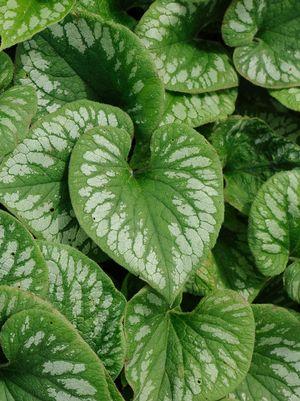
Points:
x=52, y=210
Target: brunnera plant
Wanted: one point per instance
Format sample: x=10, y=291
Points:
x=150, y=200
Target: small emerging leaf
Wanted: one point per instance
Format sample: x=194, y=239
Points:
x=6, y=70
x=251, y=153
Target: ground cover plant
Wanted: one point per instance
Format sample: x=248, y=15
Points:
x=150, y=200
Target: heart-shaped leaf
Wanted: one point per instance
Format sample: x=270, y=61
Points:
x=184, y=63
x=292, y=281
x=21, y=262
x=274, y=374
x=18, y=106
x=160, y=221
x=251, y=153
x=6, y=70
x=100, y=60
x=290, y=98
x=274, y=222
x=81, y=291
x=33, y=179
x=201, y=355
x=45, y=358
x=196, y=110
x=21, y=19
x=230, y=266
x=110, y=10
x=266, y=34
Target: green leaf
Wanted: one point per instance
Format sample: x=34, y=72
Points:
x=275, y=373
x=292, y=281
x=254, y=101
x=87, y=49
x=201, y=355
x=196, y=110
x=6, y=70
x=81, y=291
x=159, y=221
x=290, y=98
x=21, y=19
x=46, y=358
x=33, y=179
x=251, y=153
x=21, y=262
x=110, y=10
x=184, y=63
x=274, y=222
x=18, y=106
x=231, y=266
x=266, y=37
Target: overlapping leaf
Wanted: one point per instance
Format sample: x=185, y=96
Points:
x=87, y=297
x=18, y=106
x=251, y=153
x=254, y=101
x=85, y=57
x=33, y=179
x=275, y=369
x=46, y=358
x=185, y=64
x=274, y=222
x=266, y=37
x=292, y=281
x=200, y=355
x=160, y=221
x=21, y=19
x=230, y=266
x=111, y=10
x=21, y=262
x=290, y=98
x=196, y=110
x=6, y=70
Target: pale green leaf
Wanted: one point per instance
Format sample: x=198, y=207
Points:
x=292, y=281
x=196, y=110
x=6, y=70
x=196, y=356
x=46, y=358
x=251, y=153
x=290, y=97
x=160, y=221
x=275, y=369
x=274, y=222
x=18, y=106
x=85, y=57
x=33, y=179
x=266, y=37
x=184, y=63
x=21, y=262
x=81, y=291
x=21, y=19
